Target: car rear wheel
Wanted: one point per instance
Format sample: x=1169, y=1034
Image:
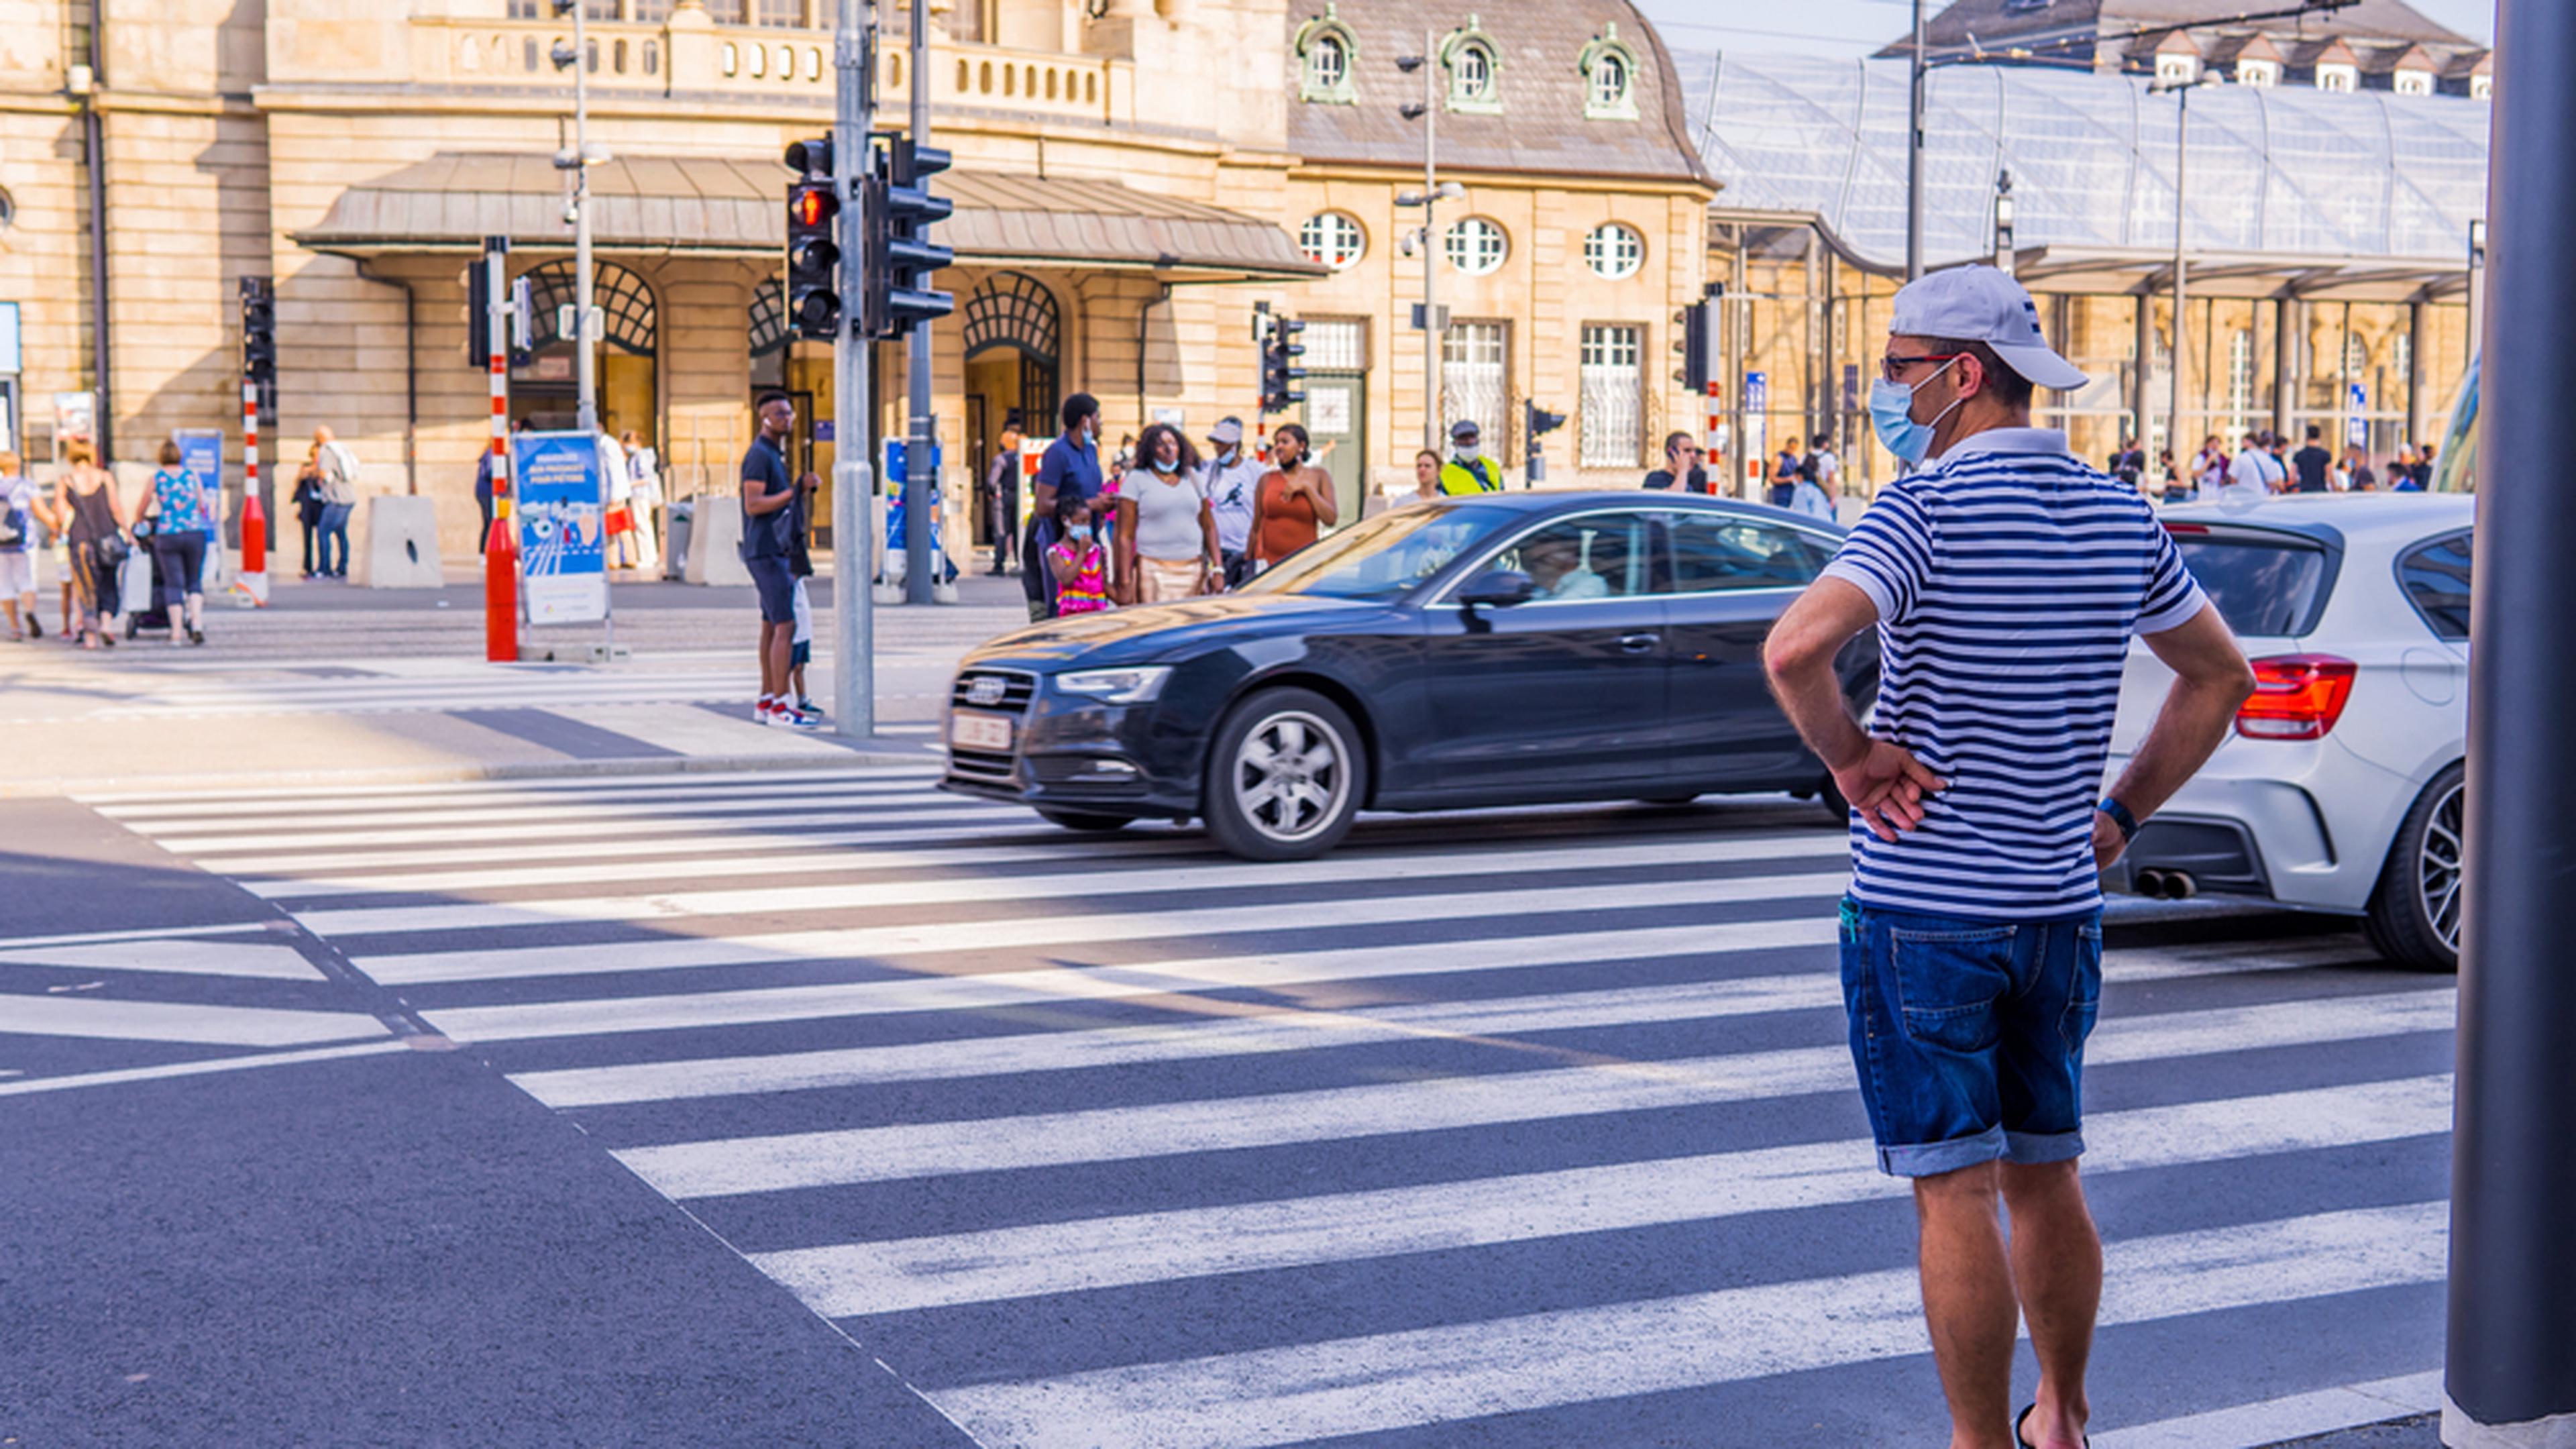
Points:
x=1084, y=820
x=1286, y=777
x=2414, y=916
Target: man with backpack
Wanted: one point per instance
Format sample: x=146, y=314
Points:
x=339, y=488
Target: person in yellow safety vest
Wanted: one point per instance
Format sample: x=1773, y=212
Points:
x=1466, y=472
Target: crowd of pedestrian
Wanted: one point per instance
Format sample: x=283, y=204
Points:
x=119, y=561
x=2263, y=464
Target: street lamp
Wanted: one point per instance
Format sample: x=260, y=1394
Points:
x=2003, y=223
x=1434, y=191
x=578, y=160
x=2181, y=91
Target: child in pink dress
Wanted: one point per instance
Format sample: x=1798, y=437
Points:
x=1078, y=561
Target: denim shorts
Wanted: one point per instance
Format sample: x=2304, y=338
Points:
x=777, y=589
x=1969, y=1034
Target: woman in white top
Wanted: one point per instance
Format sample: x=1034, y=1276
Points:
x=1166, y=531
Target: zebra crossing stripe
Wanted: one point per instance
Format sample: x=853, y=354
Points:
x=2293, y=1416
x=947, y=813
x=114, y=1018
x=1060, y=930
x=678, y=793
x=626, y=843
x=1259, y=1030
x=1031, y=892
x=294, y=799
x=1268, y=970
x=851, y=1279
x=733, y=1166
x=1389, y=1381
x=504, y=821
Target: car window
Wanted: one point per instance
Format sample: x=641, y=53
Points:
x=1383, y=557
x=1595, y=556
x=2266, y=587
x=2435, y=577
x=1712, y=551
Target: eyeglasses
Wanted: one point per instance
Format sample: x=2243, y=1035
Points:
x=1889, y=367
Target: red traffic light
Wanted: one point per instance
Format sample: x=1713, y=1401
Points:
x=813, y=205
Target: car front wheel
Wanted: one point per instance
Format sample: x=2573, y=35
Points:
x=2414, y=917
x=1286, y=777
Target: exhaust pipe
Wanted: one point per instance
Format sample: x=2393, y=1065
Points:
x=2167, y=885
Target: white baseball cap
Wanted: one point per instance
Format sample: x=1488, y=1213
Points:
x=1981, y=304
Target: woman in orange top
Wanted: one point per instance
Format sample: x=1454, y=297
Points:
x=1295, y=500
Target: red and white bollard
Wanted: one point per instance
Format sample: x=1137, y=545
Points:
x=250, y=585
x=1714, y=441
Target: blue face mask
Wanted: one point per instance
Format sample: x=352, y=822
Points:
x=1162, y=467
x=1891, y=415
x=1081, y=532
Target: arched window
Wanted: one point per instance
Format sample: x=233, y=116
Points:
x=1477, y=246
x=621, y=295
x=1609, y=67
x=1475, y=70
x=1333, y=239
x=1327, y=56
x=1614, y=252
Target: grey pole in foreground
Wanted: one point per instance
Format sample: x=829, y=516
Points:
x=2511, y=1372
x=1434, y=336
x=2181, y=326
x=853, y=478
x=924, y=432
x=1915, y=74
x=585, y=360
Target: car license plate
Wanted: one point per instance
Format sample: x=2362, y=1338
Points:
x=980, y=732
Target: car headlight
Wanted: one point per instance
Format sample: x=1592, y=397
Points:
x=1116, y=686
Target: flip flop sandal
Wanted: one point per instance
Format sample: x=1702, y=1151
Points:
x=2026, y=1412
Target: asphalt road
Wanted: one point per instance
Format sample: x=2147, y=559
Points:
x=828, y=1110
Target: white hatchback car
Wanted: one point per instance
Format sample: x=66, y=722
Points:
x=2340, y=789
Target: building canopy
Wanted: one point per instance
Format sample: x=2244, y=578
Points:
x=2363, y=195
x=730, y=206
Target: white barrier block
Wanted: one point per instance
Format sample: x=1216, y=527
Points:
x=397, y=546
x=715, y=541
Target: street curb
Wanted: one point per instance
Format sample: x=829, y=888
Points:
x=445, y=774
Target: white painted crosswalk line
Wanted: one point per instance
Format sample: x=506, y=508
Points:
x=501, y=822
x=1424, y=1376
x=259, y=959
x=849, y=1279
x=176, y=818
x=2292, y=1416
x=1055, y=932
x=1215, y=1029
x=628, y=844
x=295, y=799
x=942, y=812
x=1032, y=892
x=1268, y=970
x=881, y=1154
x=112, y=1018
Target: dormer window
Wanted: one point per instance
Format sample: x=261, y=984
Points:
x=2258, y=72
x=1609, y=69
x=2344, y=79
x=2482, y=88
x=2413, y=83
x=1475, y=70
x=2177, y=70
x=1326, y=56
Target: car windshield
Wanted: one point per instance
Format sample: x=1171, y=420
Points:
x=1384, y=557
x=2266, y=587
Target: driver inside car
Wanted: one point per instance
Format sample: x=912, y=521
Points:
x=1557, y=567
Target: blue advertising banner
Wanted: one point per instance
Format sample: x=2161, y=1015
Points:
x=2356, y=428
x=562, y=512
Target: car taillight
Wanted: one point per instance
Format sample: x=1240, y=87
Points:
x=2296, y=697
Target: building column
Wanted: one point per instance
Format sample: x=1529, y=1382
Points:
x=2413, y=382
x=2143, y=350
x=2285, y=368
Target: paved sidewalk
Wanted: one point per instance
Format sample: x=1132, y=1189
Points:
x=338, y=684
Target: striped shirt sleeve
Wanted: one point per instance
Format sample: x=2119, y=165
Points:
x=2173, y=596
x=1888, y=554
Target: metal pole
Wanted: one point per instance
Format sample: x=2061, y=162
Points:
x=584, y=360
x=1914, y=153
x=1434, y=336
x=2181, y=354
x=923, y=437
x=853, y=475
x=2510, y=1380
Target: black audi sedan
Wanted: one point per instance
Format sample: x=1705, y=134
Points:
x=1500, y=649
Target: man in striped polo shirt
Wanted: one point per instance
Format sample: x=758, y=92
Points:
x=2005, y=579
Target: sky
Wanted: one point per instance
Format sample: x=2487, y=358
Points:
x=1850, y=28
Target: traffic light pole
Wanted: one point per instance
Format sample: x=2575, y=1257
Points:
x=853, y=476
x=923, y=438
x=2510, y=1379
x=585, y=361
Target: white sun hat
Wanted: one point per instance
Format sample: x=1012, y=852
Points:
x=1981, y=304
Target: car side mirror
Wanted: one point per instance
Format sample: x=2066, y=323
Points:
x=1498, y=589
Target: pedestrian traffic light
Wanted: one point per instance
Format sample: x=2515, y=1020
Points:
x=1697, y=325
x=813, y=257
x=259, y=330
x=1279, y=370
x=900, y=255
x=1540, y=421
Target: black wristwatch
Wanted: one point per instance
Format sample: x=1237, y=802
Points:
x=2121, y=817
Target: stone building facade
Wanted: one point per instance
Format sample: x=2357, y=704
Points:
x=1128, y=185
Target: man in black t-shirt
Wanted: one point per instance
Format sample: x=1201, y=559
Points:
x=769, y=526
x=2311, y=462
x=1681, y=466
